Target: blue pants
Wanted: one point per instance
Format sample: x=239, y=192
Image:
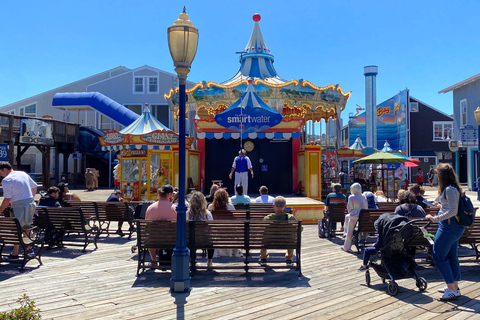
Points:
x=445, y=249
x=367, y=253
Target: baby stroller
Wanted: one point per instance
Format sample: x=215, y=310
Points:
x=395, y=232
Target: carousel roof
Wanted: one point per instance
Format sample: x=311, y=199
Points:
x=249, y=114
x=256, y=61
x=146, y=123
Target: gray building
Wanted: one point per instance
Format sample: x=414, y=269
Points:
x=466, y=98
x=132, y=88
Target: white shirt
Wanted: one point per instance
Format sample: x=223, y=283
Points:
x=264, y=198
x=18, y=186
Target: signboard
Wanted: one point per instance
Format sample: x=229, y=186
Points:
x=3, y=152
x=468, y=136
x=77, y=156
x=133, y=153
x=35, y=131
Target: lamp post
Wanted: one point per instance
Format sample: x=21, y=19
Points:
x=477, y=119
x=182, y=42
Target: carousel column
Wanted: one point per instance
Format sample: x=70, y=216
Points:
x=182, y=42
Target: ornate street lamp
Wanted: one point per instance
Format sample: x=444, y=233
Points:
x=477, y=119
x=182, y=42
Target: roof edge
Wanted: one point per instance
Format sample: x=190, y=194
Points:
x=461, y=84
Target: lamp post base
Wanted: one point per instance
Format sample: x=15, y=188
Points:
x=180, y=281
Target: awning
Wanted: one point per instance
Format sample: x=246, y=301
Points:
x=418, y=153
x=251, y=135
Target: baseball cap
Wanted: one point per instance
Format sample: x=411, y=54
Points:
x=62, y=186
x=166, y=189
x=336, y=186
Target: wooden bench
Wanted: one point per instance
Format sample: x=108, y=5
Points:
x=247, y=235
x=336, y=213
x=11, y=233
x=153, y=234
x=217, y=234
x=105, y=212
x=66, y=220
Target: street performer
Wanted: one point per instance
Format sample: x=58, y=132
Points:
x=241, y=165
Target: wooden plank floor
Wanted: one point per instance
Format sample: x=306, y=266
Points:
x=101, y=284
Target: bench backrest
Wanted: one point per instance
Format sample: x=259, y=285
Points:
x=387, y=205
x=9, y=231
x=156, y=234
x=89, y=208
x=113, y=211
x=337, y=211
x=367, y=218
x=214, y=234
x=65, y=218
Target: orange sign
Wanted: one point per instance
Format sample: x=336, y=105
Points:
x=381, y=111
x=136, y=191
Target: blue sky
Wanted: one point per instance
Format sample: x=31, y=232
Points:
x=425, y=46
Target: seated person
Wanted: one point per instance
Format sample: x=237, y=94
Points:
x=279, y=205
x=220, y=201
x=334, y=197
x=240, y=197
x=163, y=209
x=264, y=197
x=370, y=200
x=50, y=199
x=213, y=189
x=198, y=212
x=380, y=196
x=65, y=194
x=408, y=207
x=416, y=190
x=116, y=196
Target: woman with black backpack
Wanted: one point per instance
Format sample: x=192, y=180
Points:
x=449, y=231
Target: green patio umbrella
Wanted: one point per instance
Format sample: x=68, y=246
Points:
x=382, y=158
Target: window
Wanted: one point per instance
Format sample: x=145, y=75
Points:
x=463, y=112
x=413, y=106
x=29, y=111
x=442, y=131
x=138, y=85
x=153, y=85
x=11, y=111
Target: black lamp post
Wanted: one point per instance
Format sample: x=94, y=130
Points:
x=182, y=42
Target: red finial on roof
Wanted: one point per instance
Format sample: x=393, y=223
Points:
x=250, y=81
x=358, y=136
x=146, y=104
x=256, y=17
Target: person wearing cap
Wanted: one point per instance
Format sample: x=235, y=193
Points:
x=264, y=197
x=65, y=194
x=50, y=199
x=241, y=165
x=240, y=197
x=334, y=197
x=116, y=196
x=163, y=209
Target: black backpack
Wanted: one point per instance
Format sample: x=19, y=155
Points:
x=466, y=211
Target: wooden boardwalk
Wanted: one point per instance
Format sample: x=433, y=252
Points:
x=101, y=284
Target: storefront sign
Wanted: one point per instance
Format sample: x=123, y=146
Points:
x=35, y=131
x=133, y=153
x=113, y=137
x=3, y=152
x=159, y=137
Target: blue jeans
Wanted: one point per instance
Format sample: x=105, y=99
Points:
x=445, y=249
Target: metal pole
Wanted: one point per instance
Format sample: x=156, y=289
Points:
x=478, y=164
x=180, y=281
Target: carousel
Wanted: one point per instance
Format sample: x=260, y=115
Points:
x=224, y=118
x=148, y=157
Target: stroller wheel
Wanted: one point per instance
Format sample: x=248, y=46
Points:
x=367, y=278
x=422, y=284
x=392, y=288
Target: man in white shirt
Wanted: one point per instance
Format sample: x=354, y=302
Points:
x=264, y=197
x=18, y=190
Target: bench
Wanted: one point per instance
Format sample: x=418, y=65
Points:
x=154, y=234
x=11, y=233
x=243, y=214
x=66, y=220
x=217, y=234
x=247, y=235
x=105, y=212
x=336, y=213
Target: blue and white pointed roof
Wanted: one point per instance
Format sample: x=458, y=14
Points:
x=248, y=114
x=256, y=61
x=146, y=123
x=386, y=147
x=357, y=145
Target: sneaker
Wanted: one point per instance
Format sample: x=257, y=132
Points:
x=263, y=262
x=450, y=295
x=209, y=266
x=363, y=268
x=31, y=252
x=289, y=263
x=442, y=290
